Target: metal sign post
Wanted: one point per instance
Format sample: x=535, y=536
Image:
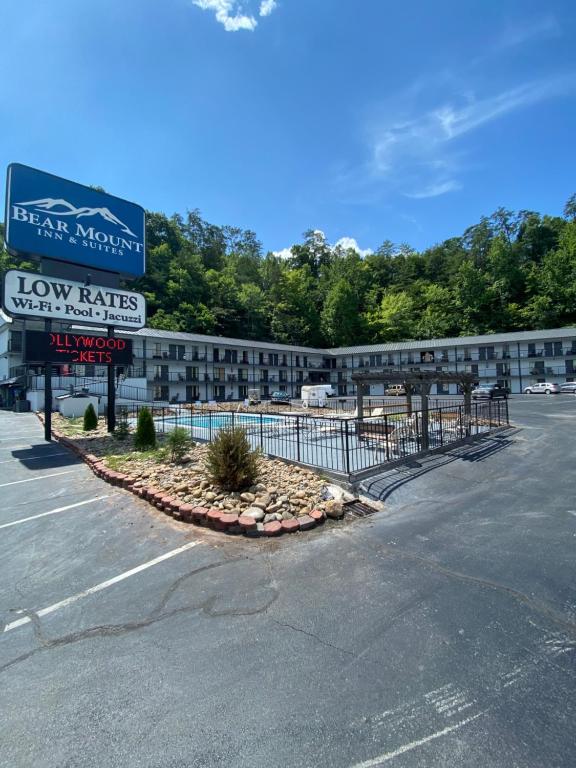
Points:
x=48, y=391
x=111, y=406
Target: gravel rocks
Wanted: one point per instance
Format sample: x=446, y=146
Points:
x=255, y=513
x=284, y=492
x=334, y=509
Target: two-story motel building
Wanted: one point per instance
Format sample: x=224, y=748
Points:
x=187, y=367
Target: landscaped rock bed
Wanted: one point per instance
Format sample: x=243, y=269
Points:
x=285, y=499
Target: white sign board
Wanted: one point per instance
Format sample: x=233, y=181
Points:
x=27, y=294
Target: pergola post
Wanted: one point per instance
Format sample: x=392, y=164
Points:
x=467, y=389
x=408, y=388
x=424, y=394
x=360, y=400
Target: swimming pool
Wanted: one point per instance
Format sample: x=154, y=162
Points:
x=222, y=420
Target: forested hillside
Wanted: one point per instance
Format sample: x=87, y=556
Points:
x=510, y=271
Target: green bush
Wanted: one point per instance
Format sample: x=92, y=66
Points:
x=145, y=437
x=122, y=430
x=90, y=418
x=122, y=427
x=231, y=462
x=178, y=443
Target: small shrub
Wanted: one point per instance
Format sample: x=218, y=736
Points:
x=122, y=427
x=145, y=436
x=178, y=444
x=122, y=430
x=90, y=418
x=231, y=462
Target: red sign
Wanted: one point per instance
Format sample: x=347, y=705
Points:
x=44, y=347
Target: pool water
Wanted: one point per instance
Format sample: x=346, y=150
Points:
x=220, y=421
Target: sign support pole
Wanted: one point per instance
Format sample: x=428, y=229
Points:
x=48, y=391
x=111, y=390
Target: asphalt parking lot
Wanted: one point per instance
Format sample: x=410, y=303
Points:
x=440, y=632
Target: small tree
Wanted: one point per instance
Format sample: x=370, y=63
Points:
x=90, y=418
x=230, y=461
x=178, y=443
x=145, y=437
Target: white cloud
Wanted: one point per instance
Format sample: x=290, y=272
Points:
x=267, y=6
x=344, y=243
x=227, y=14
x=285, y=253
x=422, y=155
x=524, y=30
x=435, y=190
x=347, y=243
x=231, y=15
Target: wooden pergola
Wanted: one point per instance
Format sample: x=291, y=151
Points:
x=412, y=379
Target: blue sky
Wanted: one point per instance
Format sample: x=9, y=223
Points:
x=367, y=119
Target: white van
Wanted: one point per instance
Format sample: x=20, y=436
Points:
x=315, y=395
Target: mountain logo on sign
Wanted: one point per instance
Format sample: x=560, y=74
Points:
x=62, y=207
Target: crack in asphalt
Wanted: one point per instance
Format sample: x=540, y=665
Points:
x=315, y=637
x=206, y=608
x=536, y=605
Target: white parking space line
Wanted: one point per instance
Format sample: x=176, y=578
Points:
x=41, y=477
x=99, y=587
x=387, y=756
x=36, y=458
x=53, y=511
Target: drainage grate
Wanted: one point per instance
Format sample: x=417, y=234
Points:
x=358, y=509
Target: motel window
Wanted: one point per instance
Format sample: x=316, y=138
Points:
x=15, y=341
x=161, y=392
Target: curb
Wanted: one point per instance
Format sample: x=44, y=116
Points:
x=217, y=519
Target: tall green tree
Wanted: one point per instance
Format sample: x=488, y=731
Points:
x=393, y=318
x=340, y=321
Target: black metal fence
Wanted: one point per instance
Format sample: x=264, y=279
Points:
x=340, y=444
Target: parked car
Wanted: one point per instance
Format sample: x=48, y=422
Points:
x=543, y=388
x=490, y=392
x=396, y=390
x=568, y=388
x=281, y=398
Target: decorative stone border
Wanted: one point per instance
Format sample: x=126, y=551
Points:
x=218, y=519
